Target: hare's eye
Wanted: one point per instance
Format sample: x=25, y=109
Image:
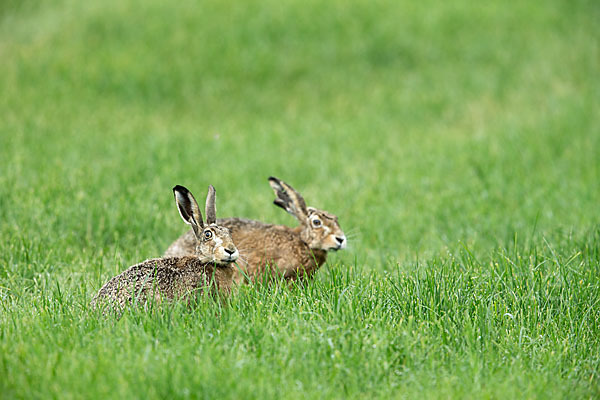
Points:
x=207, y=235
x=316, y=222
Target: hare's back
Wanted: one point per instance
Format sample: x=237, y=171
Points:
x=155, y=278
x=240, y=227
x=263, y=245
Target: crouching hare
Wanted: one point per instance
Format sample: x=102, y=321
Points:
x=278, y=250
x=207, y=267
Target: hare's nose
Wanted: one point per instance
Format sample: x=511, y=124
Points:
x=230, y=251
x=340, y=239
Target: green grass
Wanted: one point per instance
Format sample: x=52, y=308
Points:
x=459, y=144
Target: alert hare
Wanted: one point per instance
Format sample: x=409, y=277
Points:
x=207, y=267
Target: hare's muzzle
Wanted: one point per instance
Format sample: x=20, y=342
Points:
x=341, y=242
x=231, y=254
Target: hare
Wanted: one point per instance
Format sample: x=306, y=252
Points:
x=207, y=267
x=278, y=250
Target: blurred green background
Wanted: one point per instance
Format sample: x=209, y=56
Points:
x=421, y=125
x=427, y=127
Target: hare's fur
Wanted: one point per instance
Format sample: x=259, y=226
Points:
x=278, y=250
x=207, y=268
x=167, y=278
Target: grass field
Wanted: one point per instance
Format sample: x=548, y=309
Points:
x=458, y=142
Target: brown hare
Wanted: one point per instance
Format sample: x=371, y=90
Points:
x=278, y=250
x=207, y=267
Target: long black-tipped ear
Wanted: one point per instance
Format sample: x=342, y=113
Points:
x=211, y=208
x=188, y=208
x=289, y=199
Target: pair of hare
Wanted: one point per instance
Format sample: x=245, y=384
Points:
x=202, y=259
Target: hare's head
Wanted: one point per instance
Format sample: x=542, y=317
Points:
x=214, y=243
x=320, y=229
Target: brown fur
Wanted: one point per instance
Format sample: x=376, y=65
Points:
x=279, y=250
x=207, y=268
x=166, y=278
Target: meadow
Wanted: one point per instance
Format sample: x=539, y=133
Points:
x=458, y=142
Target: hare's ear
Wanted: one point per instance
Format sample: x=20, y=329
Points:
x=188, y=208
x=211, y=208
x=288, y=199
